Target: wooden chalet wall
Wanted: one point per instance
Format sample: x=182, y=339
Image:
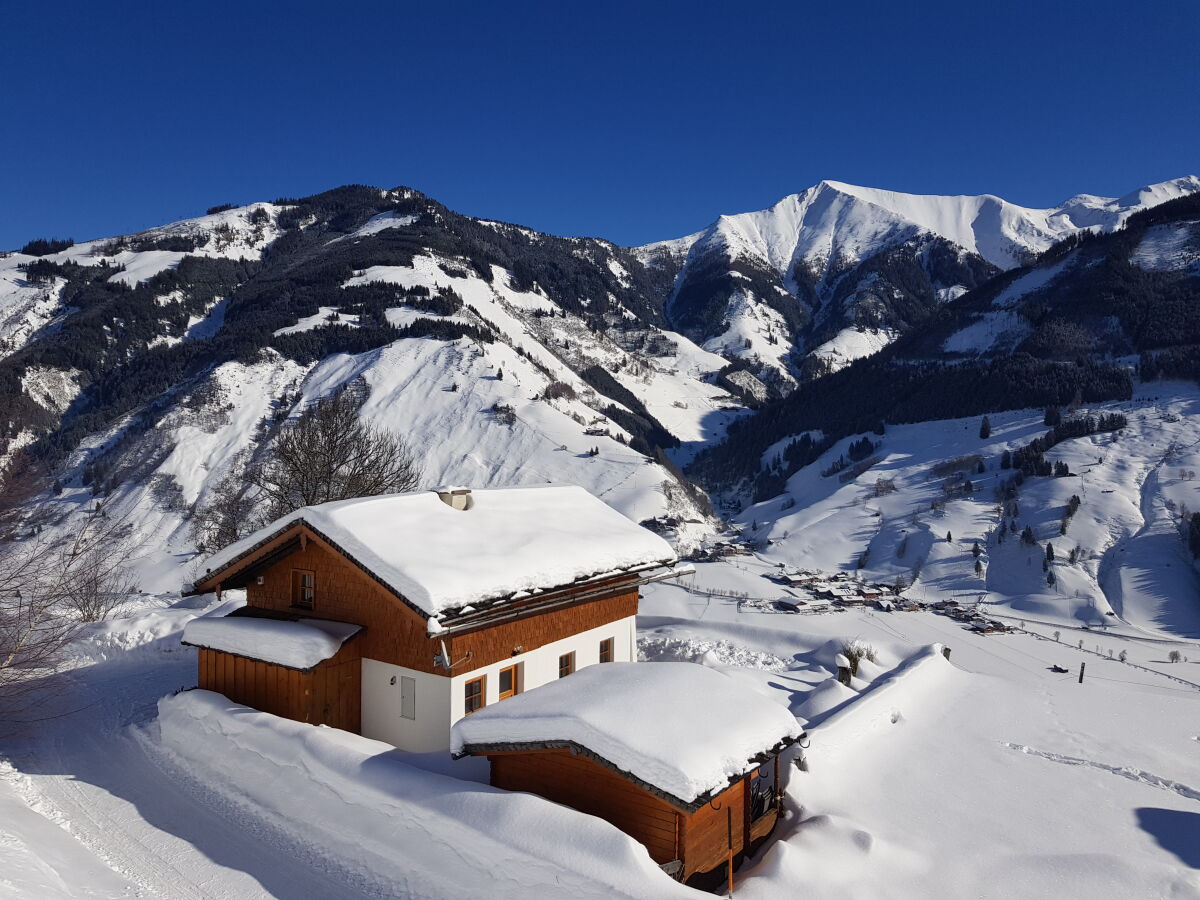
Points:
x=395, y=633
x=328, y=694
x=706, y=834
x=589, y=787
x=699, y=839
x=345, y=593
x=493, y=643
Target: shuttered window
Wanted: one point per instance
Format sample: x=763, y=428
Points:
x=408, y=697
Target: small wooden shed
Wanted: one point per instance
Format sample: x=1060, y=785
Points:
x=680, y=757
x=300, y=668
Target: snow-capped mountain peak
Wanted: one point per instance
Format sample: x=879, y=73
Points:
x=836, y=213
x=838, y=256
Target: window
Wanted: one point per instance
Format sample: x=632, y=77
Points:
x=510, y=682
x=606, y=650
x=304, y=588
x=473, y=696
x=408, y=697
x=763, y=796
x=566, y=664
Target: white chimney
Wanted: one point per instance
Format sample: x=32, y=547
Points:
x=455, y=497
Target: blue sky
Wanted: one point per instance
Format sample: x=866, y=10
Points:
x=629, y=121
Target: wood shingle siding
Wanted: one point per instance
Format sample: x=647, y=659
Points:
x=497, y=642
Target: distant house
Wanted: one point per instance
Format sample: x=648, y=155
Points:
x=681, y=757
x=395, y=616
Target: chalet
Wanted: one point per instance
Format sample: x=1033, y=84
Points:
x=682, y=757
x=395, y=616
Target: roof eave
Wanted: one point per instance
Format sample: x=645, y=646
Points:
x=577, y=749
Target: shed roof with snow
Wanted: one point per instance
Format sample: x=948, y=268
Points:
x=679, y=729
x=293, y=643
x=439, y=556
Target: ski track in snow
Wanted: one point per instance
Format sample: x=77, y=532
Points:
x=1131, y=772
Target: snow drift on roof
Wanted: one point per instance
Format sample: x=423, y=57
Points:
x=681, y=727
x=298, y=645
x=511, y=539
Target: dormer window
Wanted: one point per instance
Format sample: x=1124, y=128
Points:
x=304, y=588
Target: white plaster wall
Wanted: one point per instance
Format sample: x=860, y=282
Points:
x=381, y=718
x=541, y=665
x=439, y=702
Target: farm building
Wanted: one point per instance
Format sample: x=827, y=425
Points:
x=394, y=616
x=682, y=757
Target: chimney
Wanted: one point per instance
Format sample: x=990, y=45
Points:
x=455, y=497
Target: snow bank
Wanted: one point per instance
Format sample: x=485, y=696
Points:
x=511, y=539
x=298, y=645
x=900, y=693
x=407, y=831
x=654, y=720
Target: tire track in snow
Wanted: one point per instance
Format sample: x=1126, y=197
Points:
x=1130, y=772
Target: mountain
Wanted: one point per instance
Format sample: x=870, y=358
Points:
x=149, y=370
x=1075, y=326
x=837, y=272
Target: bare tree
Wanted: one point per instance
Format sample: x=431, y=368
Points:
x=50, y=583
x=230, y=511
x=329, y=453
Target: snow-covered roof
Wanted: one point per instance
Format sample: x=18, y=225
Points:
x=299, y=644
x=509, y=540
x=680, y=727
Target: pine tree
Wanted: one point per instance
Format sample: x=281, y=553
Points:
x=985, y=428
x=976, y=550
x=949, y=539
x=979, y=567
x=1049, y=552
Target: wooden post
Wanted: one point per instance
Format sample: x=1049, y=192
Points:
x=729, y=841
x=1081, y=665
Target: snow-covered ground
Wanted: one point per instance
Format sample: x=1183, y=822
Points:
x=985, y=776
x=1133, y=574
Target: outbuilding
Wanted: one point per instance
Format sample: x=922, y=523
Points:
x=681, y=757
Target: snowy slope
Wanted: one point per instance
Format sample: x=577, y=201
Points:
x=1133, y=576
x=451, y=400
